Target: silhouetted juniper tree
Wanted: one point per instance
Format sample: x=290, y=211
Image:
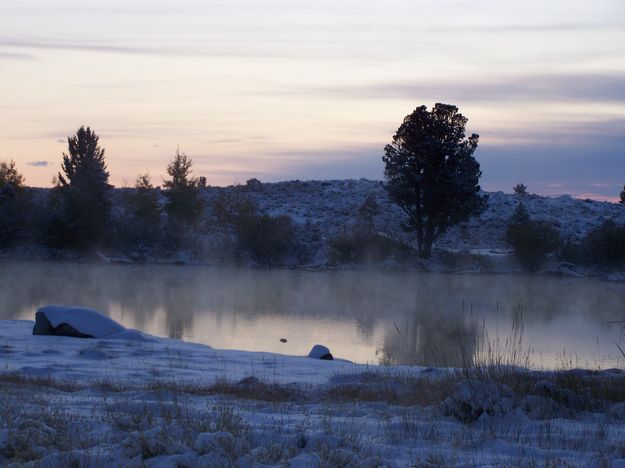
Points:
x=184, y=201
x=13, y=203
x=520, y=189
x=85, y=191
x=431, y=172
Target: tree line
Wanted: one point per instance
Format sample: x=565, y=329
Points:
x=430, y=173
x=80, y=215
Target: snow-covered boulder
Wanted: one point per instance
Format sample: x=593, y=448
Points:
x=320, y=352
x=80, y=322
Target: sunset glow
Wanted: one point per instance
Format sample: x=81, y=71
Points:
x=299, y=90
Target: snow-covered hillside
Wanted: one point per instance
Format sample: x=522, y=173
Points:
x=321, y=210
x=330, y=207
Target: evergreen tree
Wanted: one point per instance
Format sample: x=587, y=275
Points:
x=9, y=176
x=622, y=200
x=520, y=189
x=13, y=203
x=85, y=192
x=520, y=216
x=431, y=173
x=531, y=240
x=144, y=204
x=139, y=229
x=184, y=201
x=605, y=244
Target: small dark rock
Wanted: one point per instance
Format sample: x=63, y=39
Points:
x=249, y=381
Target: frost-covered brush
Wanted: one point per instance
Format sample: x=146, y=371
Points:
x=490, y=358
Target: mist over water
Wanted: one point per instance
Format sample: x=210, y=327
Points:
x=442, y=319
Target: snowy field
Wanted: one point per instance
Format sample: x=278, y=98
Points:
x=136, y=400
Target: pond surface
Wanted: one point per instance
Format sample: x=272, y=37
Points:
x=374, y=317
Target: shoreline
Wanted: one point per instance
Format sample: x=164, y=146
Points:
x=554, y=269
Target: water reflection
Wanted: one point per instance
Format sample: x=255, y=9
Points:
x=363, y=316
x=431, y=339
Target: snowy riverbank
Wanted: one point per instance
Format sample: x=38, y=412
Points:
x=151, y=401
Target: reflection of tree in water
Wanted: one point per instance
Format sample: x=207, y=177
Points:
x=180, y=303
x=431, y=338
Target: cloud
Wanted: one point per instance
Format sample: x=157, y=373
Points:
x=81, y=46
x=38, y=163
x=545, y=27
x=586, y=87
x=595, y=196
x=604, y=132
x=237, y=49
x=16, y=56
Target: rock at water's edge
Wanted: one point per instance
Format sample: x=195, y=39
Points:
x=79, y=322
x=320, y=352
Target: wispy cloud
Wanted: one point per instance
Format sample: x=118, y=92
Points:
x=598, y=133
x=16, y=56
x=103, y=46
x=198, y=48
x=544, y=27
x=38, y=163
x=557, y=87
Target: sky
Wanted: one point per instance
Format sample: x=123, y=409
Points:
x=287, y=89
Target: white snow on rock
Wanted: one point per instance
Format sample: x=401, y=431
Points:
x=319, y=351
x=85, y=320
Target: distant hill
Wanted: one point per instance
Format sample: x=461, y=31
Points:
x=331, y=206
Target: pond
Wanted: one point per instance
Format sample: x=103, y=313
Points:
x=364, y=316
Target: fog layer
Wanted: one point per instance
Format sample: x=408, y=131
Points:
x=378, y=317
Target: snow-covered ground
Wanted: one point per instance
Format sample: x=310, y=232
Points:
x=331, y=206
x=147, y=401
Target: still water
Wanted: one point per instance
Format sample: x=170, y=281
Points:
x=374, y=317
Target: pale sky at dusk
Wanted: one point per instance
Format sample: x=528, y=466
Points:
x=299, y=90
